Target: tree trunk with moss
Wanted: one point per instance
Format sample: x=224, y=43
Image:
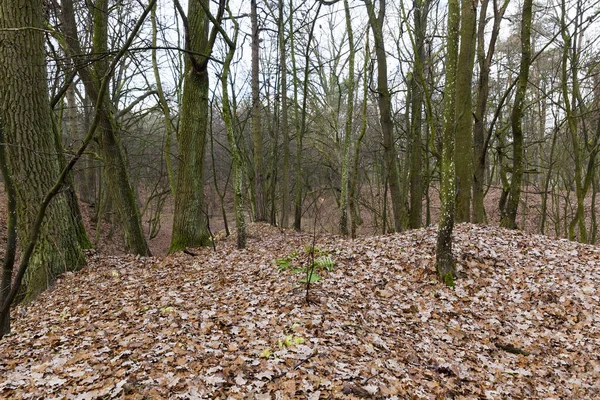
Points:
x=123, y=197
x=32, y=154
x=190, y=225
x=11, y=235
x=463, y=146
x=344, y=201
x=509, y=220
x=444, y=259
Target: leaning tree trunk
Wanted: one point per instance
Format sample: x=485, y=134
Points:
x=32, y=147
x=116, y=175
x=234, y=141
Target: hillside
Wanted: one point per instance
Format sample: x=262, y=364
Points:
x=522, y=322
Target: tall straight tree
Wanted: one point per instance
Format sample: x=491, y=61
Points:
x=32, y=146
x=285, y=133
x=444, y=259
x=260, y=197
x=421, y=9
x=190, y=226
x=464, y=113
x=484, y=60
x=116, y=172
x=584, y=141
x=344, y=201
x=303, y=120
x=353, y=196
x=233, y=138
x=509, y=219
x=385, y=110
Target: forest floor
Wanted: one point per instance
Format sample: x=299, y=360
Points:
x=522, y=322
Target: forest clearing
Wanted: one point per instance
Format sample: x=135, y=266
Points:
x=522, y=322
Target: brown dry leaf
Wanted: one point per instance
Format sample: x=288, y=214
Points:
x=380, y=325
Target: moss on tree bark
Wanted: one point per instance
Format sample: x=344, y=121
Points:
x=33, y=154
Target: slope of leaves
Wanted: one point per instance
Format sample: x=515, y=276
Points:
x=522, y=322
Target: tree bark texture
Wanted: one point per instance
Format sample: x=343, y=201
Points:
x=348, y=126
x=33, y=155
x=444, y=259
x=11, y=235
x=190, y=227
x=464, y=113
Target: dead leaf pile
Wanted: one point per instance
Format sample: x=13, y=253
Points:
x=522, y=322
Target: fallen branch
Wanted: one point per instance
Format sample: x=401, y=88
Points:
x=512, y=350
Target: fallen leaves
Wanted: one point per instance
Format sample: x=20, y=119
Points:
x=523, y=321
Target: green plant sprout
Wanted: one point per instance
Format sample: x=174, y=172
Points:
x=312, y=270
x=311, y=263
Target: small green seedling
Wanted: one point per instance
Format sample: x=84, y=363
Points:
x=301, y=264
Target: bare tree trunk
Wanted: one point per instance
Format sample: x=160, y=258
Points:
x=285, y=180
x=444, y=259
x=385, y=110
x=300, y=134
x=234, y=141
x=351, y=82
x=516, y=119
x=483, y=88
x=169, y=128
x=33, y=155
x=259, y=179
x=464, y=114
x=190, y=224
x=421, y=9
x=353, y=194
x=116, y=172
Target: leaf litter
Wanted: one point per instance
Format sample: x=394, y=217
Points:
x=522, y=322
